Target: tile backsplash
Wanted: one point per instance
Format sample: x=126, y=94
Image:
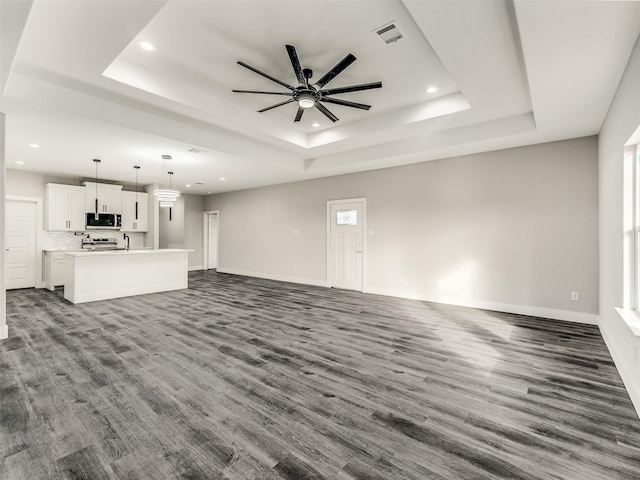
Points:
x=71, y=240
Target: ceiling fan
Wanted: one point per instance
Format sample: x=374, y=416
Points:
x=308, y=95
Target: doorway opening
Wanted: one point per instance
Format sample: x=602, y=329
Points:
x=211, y=239
x=346, y=243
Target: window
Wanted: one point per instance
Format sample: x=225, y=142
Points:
x=635, y=295
x=630, y=311
x=346, y=217
x=631, y=227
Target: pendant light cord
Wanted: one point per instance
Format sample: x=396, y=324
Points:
x=97, y=161
x=137, y=167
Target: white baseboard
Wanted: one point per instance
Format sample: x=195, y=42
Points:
x=269, y=276
x=566, y=315
x=4, y=331
x=197, y=267
x=631, y=384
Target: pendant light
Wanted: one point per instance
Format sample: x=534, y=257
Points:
x=170, y=206
x=96, y=161
x=137, y=167
x=166, y=195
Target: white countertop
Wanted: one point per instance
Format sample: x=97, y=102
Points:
x=94, y=253
x=62, y=249
x=71, y=250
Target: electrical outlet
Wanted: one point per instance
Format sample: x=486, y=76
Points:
x=575, y=296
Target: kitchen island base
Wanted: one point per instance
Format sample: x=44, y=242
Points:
x=92, y=276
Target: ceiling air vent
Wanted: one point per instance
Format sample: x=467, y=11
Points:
x=197, y=150
x=389, y=34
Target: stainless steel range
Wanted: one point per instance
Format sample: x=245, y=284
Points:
x=95, y=244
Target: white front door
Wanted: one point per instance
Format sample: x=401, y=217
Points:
x=212, y=256
x=345, y=245
x=20, y=244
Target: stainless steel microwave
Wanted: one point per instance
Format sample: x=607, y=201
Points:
x=103, y=221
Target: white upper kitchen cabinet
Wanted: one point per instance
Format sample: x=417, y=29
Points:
x=64, y=207
x=129, y=221
x=109, y=197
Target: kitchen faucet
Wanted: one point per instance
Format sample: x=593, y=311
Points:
x=126, y=237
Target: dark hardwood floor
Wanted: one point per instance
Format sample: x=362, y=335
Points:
x=240, y=378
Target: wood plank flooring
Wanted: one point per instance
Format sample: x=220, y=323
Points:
x=240, y=378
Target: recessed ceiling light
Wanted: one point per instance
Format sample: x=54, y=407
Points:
x=34, y=145
x=149, y=47
x=187, y=185
x=316, y=125
x=222, y=179
x=20, y=163
x=209, y=193
x=432, y=89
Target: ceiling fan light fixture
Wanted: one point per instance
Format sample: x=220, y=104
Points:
x=310, y=94
x=306, y=100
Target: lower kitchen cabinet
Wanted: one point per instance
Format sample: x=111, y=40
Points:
x=54, y=268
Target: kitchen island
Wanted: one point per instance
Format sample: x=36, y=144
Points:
x=101, y=275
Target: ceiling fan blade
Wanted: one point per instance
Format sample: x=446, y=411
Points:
x=265, y=75
x=276, y=105
x=295, y=63
x=336, y=70
x=352, y=88
x=299, y=114
x=345, y=103
x=324, y=110
x=257, y=91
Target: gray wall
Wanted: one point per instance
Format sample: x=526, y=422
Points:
x=185, y=228
x=193, y=229
x=31, y=184
x=622, y=120
x=171, y=232
x=509, y=229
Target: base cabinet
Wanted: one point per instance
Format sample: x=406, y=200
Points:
x=53, y=269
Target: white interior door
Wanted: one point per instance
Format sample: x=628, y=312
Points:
x=212, y=240
x=345, y=245
x=20, y=244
